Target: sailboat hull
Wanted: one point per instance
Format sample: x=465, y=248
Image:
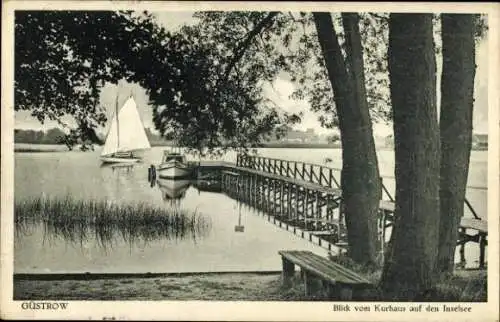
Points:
x=119, y=160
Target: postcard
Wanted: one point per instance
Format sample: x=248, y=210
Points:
x=250, y=161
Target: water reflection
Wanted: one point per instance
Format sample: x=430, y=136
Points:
x=217, y=248
x=239, y=228
x=173, y=189
x=208, y=185
x=118, y=167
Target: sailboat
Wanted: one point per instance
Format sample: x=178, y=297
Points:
x=126, y=137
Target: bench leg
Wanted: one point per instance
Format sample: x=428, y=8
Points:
x=346, y=293
x=308, y=280
x=340, y=292
x=311, y=283
x=333, y=291
x=288, y=272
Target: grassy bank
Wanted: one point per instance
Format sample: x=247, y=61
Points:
x=78, y=220
x=464, y=286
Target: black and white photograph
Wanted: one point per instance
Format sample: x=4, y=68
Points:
x=341, y=161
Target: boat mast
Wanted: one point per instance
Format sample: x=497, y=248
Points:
x=117, y=125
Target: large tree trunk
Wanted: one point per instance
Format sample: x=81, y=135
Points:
x=457, y=99
x=360, y=180
x=410, y=268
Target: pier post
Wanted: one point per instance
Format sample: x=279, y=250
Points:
x=305, y=207
x=317, y=206
x=296, y=202
x=152, y=173
x=482, y=246
x=328, y=208
x=269, y=188
x=250, y=190
x=289, y=200
x=281, y=201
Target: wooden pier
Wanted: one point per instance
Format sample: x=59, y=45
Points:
x=306, y=199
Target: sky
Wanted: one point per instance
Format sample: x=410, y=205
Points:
x=278, y=92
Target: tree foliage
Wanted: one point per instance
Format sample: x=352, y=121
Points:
x=212, y=110
x=63, y=58
x=289, y=43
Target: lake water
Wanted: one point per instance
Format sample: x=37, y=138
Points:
x=218, y=248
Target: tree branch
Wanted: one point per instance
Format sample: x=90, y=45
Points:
x=242, y=47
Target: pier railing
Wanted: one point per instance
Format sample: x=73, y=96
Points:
x=310, y=172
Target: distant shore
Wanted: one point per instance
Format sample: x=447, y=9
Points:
x=301, y=145
x=29, y=147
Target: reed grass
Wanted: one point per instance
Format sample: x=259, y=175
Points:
x=81, y=220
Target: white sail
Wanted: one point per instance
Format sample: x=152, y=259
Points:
x=131, y=131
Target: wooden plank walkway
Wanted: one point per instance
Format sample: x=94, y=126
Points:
x=467, y=223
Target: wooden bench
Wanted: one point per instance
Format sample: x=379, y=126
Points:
x=340, y=280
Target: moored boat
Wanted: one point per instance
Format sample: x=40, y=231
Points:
x=173, y=166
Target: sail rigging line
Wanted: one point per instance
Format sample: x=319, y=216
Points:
x=117, y=124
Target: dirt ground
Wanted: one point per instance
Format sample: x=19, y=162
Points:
x=468, y=286
x=225, y=287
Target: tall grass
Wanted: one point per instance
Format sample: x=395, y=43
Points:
x=464, y=285
x=77, y=221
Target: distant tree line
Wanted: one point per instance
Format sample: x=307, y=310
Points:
x=56, y=136
x=52, y=136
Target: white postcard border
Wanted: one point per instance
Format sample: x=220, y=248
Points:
x=200, y=310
